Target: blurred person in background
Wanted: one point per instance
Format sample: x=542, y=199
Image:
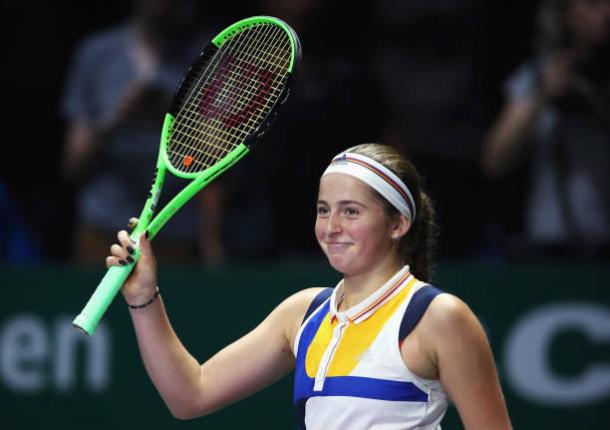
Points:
x=334, y=101
x=424, y=61
x=119, y=86
x=17, y=244
x=557, y=119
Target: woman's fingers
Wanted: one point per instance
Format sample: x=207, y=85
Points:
x=121, y=254
x=116, y=261
x=128, y=245
x=117, y=251
x=133, y=222
x=125, y=239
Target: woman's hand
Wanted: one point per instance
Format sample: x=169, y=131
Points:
x=142, y=283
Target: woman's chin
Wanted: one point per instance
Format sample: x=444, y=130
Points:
x=338, y=263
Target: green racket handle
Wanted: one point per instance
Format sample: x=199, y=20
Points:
x=104, y=294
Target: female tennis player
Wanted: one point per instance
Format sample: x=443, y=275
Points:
x=383, y=349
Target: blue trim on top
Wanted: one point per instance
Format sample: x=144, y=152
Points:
x=299, y=409
x=303, y=383
x=301, y=380
x=416, y=309
x=370, y=388
x=317, y=301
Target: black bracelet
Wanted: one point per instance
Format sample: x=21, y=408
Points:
x=145, y=304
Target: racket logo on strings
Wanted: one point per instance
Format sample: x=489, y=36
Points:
x=218, y=104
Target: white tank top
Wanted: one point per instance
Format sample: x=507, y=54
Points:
x=349, y=372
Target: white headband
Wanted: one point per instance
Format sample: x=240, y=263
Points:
x=378, y=177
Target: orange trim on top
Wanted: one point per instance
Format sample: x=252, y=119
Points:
x=382, y=298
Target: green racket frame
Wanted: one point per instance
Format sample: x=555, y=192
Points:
x=112, y=282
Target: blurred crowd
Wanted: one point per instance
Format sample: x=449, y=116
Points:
x=506, y=114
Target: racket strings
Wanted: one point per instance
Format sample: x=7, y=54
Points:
x=216, y=132
x=231, y=98
x=226, y=95
x=186, y=127
x=222, y=97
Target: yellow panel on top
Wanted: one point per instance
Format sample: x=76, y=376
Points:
x=355, y=340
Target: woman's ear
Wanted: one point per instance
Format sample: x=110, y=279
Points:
x=401, y=226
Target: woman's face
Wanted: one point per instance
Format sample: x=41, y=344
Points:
x=352, y=226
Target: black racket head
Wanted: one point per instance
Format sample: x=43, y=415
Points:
x=231, y=95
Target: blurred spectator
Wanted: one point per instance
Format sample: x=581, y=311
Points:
x=424, y=59
x=271, y=195
x=118, y=89
x=557, y=118
x=17, y=245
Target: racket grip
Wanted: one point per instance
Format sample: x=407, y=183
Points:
x=103, y=295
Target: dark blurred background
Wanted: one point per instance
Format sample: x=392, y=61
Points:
x=447, y=59
x=502, y=106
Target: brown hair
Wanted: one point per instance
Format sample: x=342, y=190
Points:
x=418, y=246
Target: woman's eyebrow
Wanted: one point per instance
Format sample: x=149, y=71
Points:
x=343, y=203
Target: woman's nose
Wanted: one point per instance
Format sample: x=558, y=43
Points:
x=334, y=224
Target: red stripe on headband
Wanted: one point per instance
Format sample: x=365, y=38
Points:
x=375, y=170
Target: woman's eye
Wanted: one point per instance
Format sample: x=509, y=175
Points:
x=321, y=210
x=351, y=211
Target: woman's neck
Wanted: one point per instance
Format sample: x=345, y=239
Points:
x=358, y=287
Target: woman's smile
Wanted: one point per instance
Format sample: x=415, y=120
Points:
x=351, y=226
x=337, y=246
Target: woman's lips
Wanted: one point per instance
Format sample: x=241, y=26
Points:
x=337, y=246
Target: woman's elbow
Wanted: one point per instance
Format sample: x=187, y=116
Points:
x=187, y=408
x=186, y=413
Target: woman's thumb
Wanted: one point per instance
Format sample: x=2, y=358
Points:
x=145, y=247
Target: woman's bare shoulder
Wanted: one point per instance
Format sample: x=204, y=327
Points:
x=292, y=311
x=298, y=303
x=450, y=321
x=447, y=309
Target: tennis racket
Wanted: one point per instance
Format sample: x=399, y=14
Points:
x=224, y=104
